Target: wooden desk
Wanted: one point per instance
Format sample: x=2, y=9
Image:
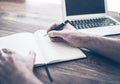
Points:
x=21, y=17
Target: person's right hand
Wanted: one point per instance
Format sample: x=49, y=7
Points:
x=68, y=34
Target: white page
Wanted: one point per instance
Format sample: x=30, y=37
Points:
x=56, y=51
x=22, y=43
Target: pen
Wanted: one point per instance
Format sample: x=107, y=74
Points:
x=48, y=73
x=59, y=27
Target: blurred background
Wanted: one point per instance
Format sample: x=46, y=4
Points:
x=114, y=5
x=35, y=11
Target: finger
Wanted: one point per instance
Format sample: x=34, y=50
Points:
x=31, y=60
x=32, y=55
x=7, y=51
x=56, y=34
x=2, y=56
x=8, y=55
x=51, y=27
x=56, y=39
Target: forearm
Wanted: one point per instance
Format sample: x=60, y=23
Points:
x=105, y=46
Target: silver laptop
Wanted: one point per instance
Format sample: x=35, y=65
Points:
x=90, y=16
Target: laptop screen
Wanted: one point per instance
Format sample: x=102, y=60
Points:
x=80, y=7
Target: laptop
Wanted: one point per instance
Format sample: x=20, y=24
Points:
x=90, y=16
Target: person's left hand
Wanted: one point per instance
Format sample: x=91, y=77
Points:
x=14, y=67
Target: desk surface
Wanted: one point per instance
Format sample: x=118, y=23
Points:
x=20, y=17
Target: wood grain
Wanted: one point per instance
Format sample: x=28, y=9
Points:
x=27, y=17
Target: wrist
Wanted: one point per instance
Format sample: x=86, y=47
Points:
x=92, y=42
x=87, y=41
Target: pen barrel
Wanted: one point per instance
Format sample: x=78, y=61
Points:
x=59, y=27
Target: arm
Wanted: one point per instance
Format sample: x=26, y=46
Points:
x=105, y=46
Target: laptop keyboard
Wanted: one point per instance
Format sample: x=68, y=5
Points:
x=91, y=23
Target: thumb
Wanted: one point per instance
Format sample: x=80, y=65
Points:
x=32, y=55
x=31, y=60
x=56, y=34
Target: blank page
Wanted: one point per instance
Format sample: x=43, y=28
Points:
x=22, y=43
x=56, y=51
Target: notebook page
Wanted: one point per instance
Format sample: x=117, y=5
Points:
x=22, y=43
x=56, y=51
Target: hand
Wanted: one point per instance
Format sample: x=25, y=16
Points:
x=13, y=68
x=69, y=35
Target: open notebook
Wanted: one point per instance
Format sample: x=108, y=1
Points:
x=46, y=51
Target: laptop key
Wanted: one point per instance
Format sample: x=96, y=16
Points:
x=92, y=23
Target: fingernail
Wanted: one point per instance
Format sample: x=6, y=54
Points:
x=3, y=53
x=4, y=49
x=7, y=51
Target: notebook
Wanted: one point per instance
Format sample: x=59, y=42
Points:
x=47, y=52
x=90, y=16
